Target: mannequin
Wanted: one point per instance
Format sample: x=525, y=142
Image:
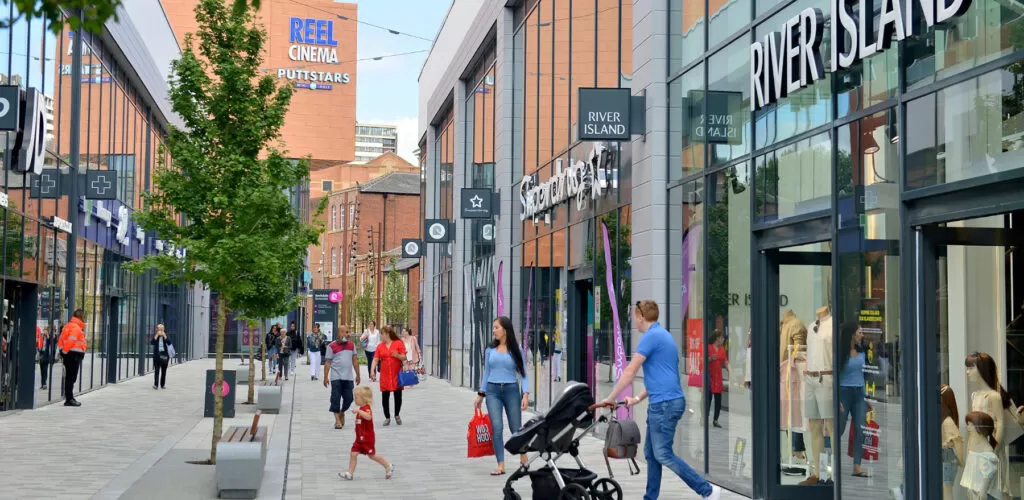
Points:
x=981, y=469
x=818, y=389
x=991, y=399
x=792, y=340
x=792, y=333
x=952, y=441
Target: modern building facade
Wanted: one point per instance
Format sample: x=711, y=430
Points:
x=864, y=182
x=106, y=112
x=373, y=140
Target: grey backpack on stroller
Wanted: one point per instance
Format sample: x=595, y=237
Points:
x=622, y=442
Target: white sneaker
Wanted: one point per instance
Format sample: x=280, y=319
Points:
x=716, y=493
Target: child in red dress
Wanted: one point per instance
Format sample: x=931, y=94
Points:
x=365, y=439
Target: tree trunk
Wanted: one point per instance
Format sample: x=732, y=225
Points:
x=252, y=371
x=263, y=349
x=218, y=381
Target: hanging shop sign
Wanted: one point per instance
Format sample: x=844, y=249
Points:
x=30, y=145
x=10, y=102
x=412, y=248
x=721, y=123
x=789, y=60
x=583, y=180
x=610, y=114
x=436, y=230
x=476, y=203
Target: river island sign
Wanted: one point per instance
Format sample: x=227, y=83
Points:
x=788, y=60
x=609, y=114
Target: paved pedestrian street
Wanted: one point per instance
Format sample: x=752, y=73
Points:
x=129, y=441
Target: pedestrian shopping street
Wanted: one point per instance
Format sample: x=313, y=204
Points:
x=129, y=441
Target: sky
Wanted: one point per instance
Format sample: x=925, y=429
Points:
x=387, y=89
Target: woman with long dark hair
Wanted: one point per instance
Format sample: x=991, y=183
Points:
x=851, y=389
x=504, y=386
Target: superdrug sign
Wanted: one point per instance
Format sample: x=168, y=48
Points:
x=789, y=60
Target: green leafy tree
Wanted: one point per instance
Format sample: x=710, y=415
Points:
x=229, y=179
x=87, y=15
x=365, y=303
x=396, y=297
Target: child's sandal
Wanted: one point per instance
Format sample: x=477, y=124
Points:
x=345, y=475
x=390, y=471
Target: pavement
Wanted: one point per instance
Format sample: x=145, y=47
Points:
x=130, y=441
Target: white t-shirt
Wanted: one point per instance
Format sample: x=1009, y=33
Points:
x=372, y=339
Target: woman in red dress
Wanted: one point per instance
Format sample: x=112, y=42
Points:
x=390, y=354
x=717, y=357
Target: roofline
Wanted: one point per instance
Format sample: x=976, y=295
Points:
x=432, y=44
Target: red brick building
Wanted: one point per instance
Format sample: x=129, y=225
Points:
x=362, y=220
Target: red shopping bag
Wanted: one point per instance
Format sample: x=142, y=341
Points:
x=480, y=436
x=871, y=429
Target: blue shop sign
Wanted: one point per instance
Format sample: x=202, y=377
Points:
x=312, y=31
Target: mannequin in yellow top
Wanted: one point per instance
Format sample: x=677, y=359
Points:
x=792, y=333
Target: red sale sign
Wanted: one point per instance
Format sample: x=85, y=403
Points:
x=694, y=352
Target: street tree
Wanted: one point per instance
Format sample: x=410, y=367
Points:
x=396, y=297
x=86, y=15
x=229, y=178
x=365, y=303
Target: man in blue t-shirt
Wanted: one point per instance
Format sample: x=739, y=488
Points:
x=658, y=354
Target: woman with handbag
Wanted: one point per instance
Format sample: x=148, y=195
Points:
x=504, y=386
x=161, y=357
x=389, y=355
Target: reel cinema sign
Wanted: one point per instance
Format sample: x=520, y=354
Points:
x=787, y=61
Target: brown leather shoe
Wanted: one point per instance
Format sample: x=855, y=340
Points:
x=809, y=481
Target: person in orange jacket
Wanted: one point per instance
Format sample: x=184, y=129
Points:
x=72, y=345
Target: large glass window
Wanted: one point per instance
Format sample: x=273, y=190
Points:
x=968, y=130
x=794, y=180
x=726, y=127
x=729, y=354
x=687, y=23
x=686, y=150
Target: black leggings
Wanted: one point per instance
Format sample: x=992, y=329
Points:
x=718, y=405
x=159, y=372
x=387, y=403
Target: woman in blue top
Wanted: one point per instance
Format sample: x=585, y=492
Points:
x=504, y=371
x=851, y=389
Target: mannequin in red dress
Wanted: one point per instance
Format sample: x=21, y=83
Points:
x=391, y=355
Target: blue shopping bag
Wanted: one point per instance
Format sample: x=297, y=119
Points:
x=407, y=378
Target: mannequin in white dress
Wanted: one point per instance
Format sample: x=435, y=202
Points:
x=992, y=399
x=980, y=477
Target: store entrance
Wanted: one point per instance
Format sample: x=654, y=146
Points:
x=18, y=346
x=970, y=294
x=579, y=334
x=792, y=344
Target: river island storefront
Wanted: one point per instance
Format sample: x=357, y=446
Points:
x=808, y=191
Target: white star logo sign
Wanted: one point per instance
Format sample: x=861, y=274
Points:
x=476, y=201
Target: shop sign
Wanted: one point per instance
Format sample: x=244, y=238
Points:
x=4, y=200
x=412, y=248
x=789, y=60
x=61, y=224
x=582, y=180
x=312, y=40
x=721, y=124
x=140, y=235
x=610, y=114
x=10, y=101
x=122, y=226
x=476, y=203
x=30, y=152
x=102, y=213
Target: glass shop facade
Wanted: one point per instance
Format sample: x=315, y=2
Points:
x=843, y=225
x=96, y=106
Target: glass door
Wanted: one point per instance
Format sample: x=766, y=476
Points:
x=971, y=301
x=792, y=342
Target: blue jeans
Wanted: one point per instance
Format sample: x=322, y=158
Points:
x=852, y=401
x=507, y=397
x=341, y=395
x=662, y=419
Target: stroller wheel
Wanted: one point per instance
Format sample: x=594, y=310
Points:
x=606, y=488
x=573, y=491
x=512, y=495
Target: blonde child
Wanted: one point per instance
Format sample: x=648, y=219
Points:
x=365, y=439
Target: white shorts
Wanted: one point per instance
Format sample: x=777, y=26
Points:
x=818, y=397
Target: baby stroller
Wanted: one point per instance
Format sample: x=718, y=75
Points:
x=553, y=435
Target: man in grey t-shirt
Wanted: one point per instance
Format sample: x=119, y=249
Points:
x=341, y=365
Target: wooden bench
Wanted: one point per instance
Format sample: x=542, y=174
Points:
x=241, y=458
x=268, y=396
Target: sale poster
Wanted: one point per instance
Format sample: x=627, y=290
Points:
x=694, y=352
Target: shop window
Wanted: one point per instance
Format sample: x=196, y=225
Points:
x=729, y=299
x=805, y=109
x=726, y=17
x=326, y=186
x=686, y=151
x=726, y=126
x=687, y=22
x=988, y=30
x=794, y=180
x=869, y=81
x=967, y=130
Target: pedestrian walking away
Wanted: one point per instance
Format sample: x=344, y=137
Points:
x=284, y=352
x=504, y=386
x=390, y=355
x=314, y=346
x=658, y=354
x=72, y=346
x=273, y=336
x=47, y=345
x=366, y=440
x=297, y=345
x=412, y=350
x=341, y=369
x=370, y=340
x=161, y=356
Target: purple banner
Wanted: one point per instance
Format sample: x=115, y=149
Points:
x=526, y=327
x=501, y=291
x=687, y=268
x=620, y=349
